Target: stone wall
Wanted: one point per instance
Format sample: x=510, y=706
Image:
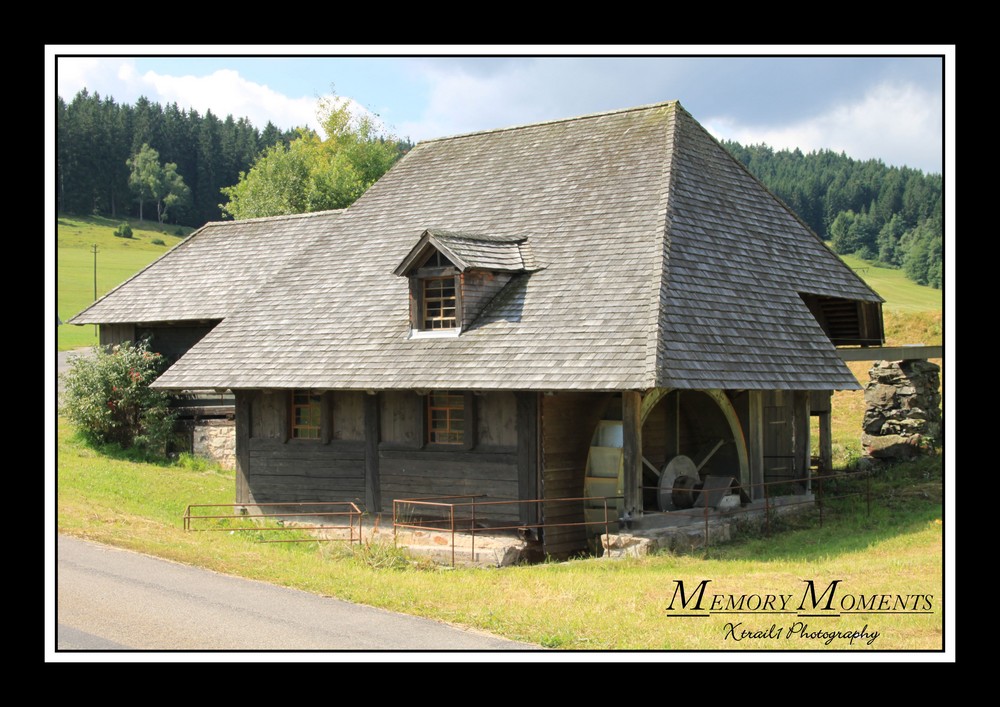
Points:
x=902, y=409
x=213, y=439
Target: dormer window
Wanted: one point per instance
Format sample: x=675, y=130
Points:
x=454, y=276
x=440, y=303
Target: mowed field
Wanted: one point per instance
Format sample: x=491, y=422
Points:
x=117, y=260
x=900, y=294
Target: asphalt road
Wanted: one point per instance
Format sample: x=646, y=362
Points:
x=111, y=599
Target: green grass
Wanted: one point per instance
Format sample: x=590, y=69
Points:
x=899, y=293
x=117, y=260
x=582, y=604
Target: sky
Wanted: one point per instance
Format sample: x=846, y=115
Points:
x=888, y=107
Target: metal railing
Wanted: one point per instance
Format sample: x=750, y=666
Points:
x=465, y=513
x=780, y=494
x=289, y=516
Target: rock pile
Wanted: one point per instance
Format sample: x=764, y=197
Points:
x=903, y=409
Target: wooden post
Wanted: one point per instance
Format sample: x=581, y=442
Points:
x=373, y=490
x=826, y=441
x=803, y=449
x=632, y=451
x=243, y=423
x=673, y=423
x=326, y=417
x=755, y=443
x=527, y=455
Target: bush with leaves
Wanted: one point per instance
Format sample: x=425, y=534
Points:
x=123, y=231
x=109, y=398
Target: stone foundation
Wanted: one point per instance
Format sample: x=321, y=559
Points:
x=212, y=439
x=903, y=410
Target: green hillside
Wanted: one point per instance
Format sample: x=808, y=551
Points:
x=900, y=294
x=117, y=260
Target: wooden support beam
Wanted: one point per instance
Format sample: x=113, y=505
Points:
x=755, y=443
x=373, y=490
x=243, y=423
x=632, y=451
x=891, y=353
x=826, y=441
x=527, y=455
x=802, y=448
x=326, y=417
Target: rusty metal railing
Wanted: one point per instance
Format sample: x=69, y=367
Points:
x=290, y=516
x=454, y=514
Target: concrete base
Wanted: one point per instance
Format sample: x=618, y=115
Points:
x=686, y=530
x=484, y=549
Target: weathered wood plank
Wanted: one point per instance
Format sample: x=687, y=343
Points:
x=568, y=421
x=243, y=427
x=307, y=448
x=527, y=454
x=497, y=416
x=471, y=458
x=344, y=470
x=484, y=471
x=755, y=443
x=373, y=493
x=326, y=417
x=803, y=447
x=632, y=450
x=401, y=419
x=349, y=415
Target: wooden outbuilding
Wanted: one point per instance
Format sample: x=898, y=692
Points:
x=501, y=303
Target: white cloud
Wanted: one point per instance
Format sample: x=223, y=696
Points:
x=224, y=92
x=897, y=123
x=473, y=96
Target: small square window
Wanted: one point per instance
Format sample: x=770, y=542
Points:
x=446, y=418
x=306, y=415
x=440, y=303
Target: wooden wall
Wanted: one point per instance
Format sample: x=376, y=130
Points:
x=393, y=462
x=568, y=423
x=478, y=288
x=271, y=467
x=488, y=464
x=111, y=334
x=173, y=341
x=786, y=446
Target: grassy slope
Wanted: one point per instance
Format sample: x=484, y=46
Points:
x=117, y=260
x=900, y=294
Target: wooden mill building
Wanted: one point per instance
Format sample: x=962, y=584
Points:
x=468, y=323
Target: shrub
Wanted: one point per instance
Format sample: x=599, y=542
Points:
x=157, y=241
x=109, y=398
x=123, y=230
x=179, y=232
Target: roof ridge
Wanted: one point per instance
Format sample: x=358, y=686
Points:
x=668, y=174
x=789, y=209
x=278, y=217
x=554, y=121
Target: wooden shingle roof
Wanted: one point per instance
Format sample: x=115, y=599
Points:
x=661, y=262
x=210, y=273
x=468, y=251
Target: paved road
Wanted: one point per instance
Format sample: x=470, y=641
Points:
x=111, y=599
x=63, y=359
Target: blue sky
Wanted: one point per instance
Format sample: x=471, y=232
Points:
x=888, y=107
